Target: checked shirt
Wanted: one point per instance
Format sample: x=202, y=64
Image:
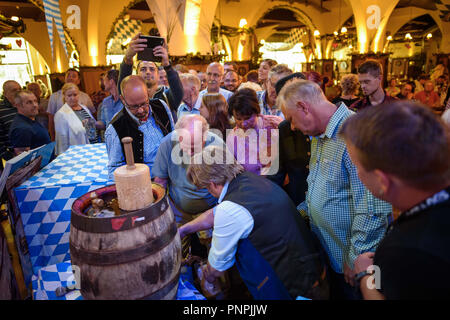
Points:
x=345, y=216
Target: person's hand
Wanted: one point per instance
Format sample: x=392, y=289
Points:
x=136, y=45
x=208, y=274
x=363, y=261
x=161, y=51
x=182, y=232
x=349, y=275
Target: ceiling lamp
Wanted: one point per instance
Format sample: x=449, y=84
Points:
x=408, y=36
x=15, y=18
x=343, y=30
x=429, y=36
x=336, y=33
x=316, y=33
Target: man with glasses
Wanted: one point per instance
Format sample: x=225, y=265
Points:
x=231, y=81
x=171, y=95
x=214, y=75
x=268, y=97
x=146, y=121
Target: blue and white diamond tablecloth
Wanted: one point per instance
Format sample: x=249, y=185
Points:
x=51, y=277
x=45, y=201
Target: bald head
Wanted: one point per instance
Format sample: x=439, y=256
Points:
x=132, y=83
x=135, y=96
x=214, y=74
x=10, y=88
x=192, y=130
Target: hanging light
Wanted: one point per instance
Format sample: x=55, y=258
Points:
x=429, y=36
x=15, y=18
x=343, y=30
x=389, y=38
x=316, y=33
x=408, y=36
x=336, y=33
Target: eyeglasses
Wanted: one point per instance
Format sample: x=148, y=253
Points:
x=213, y=75
x=135, y=107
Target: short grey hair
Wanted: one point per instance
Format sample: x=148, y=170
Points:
x=214, y=164
x=18, y=97
x=188, y=120
x=280, y=71
x=192, y=80
x=300, y=90
x=250, y=85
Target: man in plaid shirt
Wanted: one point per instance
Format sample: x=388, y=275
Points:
x=347, y=219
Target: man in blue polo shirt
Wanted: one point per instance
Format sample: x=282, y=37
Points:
x=25, y=132
x=191, y=135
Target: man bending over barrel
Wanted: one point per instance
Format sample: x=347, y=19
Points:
x=272, y=246
x=174, y=154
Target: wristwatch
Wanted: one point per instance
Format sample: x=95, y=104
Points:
x=361, y=275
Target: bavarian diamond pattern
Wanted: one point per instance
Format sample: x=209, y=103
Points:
x=45, y=200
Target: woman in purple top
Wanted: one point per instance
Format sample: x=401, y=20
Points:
x=254, y=138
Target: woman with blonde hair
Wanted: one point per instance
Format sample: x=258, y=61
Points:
x=74, y=123
x=349, y=84
x=214, y=109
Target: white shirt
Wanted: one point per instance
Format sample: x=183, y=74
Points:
x=232, y=222
x=227, y=94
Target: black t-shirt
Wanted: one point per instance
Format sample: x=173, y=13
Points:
x=25, y=132
x=294, y=151
x=348, y=102
x=414, y=257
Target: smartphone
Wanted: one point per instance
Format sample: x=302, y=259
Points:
x=147, y=54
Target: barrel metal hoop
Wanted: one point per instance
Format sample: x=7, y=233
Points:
x=120, y=223
x=162, y=292
x=108, y=258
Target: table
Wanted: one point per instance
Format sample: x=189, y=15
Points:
x=51, y=277
x=45, y=202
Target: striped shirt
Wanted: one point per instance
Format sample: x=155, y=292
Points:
x=345, y=216
x=265, y=108
x=88, y=124
x=7, y=114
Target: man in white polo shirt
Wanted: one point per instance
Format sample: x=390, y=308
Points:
x=214, y=75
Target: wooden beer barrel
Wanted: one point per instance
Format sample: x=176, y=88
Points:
x=136, y=255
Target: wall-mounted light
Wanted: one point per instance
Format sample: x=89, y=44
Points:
x=316, y=33
x=429, y=36
x=336, y=33
x=408, y=36
x=15, y=18
x=343, y=30
x=242, y=23
x=389, y=38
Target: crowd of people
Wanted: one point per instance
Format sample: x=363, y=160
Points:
x=286, y=189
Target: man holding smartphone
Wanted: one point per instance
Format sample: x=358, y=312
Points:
x=148, y=70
